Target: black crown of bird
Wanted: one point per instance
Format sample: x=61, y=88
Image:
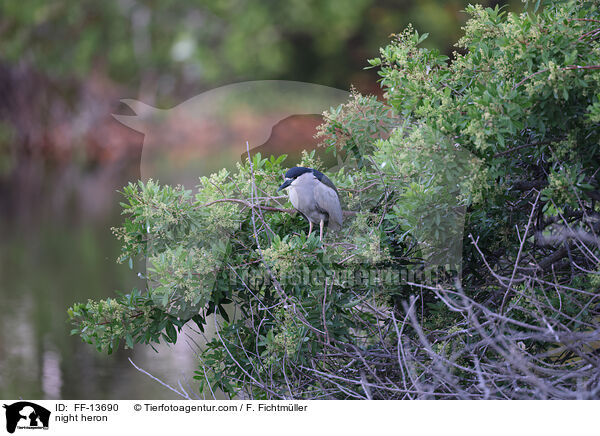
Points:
x=315, y=197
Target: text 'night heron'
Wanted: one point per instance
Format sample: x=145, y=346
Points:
x=314, y=196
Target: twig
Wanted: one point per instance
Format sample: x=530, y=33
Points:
x=258, y=206
x=247, y=204
x=520, y=147
x=182, y=394
x=521, y=245
x=583, y=19
x=569, y=67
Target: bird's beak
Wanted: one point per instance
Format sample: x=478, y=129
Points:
x=285, y=184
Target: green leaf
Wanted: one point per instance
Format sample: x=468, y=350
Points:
x=171, y=333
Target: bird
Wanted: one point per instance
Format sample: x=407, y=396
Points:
x=315, y=197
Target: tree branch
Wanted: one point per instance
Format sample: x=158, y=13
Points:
x=569, y=67
x=258, y=206
x=531, y=144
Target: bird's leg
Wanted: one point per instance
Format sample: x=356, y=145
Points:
x=309, y=228
x=321, y=234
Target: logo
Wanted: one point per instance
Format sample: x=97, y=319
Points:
x=209, y=131
x=26, y=415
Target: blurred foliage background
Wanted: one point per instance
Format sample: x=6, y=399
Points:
x=172, y=47
x=64, y=65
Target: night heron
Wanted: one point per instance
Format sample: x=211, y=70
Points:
x=314, y=196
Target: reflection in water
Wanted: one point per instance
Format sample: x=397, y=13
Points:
x=51, y=375
x=46, y=265
x=17, y=345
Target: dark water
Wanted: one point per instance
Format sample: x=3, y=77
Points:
x=56, y=249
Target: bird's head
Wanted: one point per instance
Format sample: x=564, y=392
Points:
x=293, y=173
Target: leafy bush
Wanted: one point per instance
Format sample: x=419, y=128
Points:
x=468, y=263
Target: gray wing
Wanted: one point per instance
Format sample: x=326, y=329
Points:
x=325, y=180
x=328, y=201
